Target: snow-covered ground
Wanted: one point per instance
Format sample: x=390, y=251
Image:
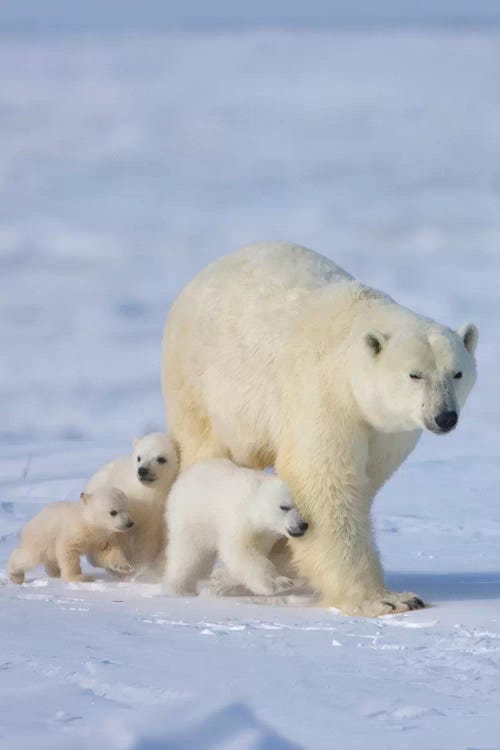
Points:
x=128, y=162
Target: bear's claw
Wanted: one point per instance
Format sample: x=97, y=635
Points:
x=392, y=603
x=415, y=603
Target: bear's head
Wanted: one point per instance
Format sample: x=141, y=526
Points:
x=273, y=509
x=155, y=459
x=416, y=378
x=107, y=508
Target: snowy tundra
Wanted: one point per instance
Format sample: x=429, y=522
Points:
x=133, y=161
x=274, y=355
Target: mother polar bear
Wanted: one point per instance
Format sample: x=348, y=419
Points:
x=274, y=355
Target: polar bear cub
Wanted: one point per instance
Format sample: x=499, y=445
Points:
x=218, y=508
x=146, y=473
x=145, y=476
x=62, y=532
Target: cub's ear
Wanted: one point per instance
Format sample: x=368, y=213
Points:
x=375, y=341
x=135, y=441
x=469, y=335
x=84, y=497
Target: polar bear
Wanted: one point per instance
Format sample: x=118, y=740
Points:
x=62, y=532
x=145, y=476
x=276, y=356
x=218, y=508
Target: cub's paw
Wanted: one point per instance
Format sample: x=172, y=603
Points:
x=17, y=577
x=122, y=567
x=273, y=586
x=221, y=583
x=83, y=578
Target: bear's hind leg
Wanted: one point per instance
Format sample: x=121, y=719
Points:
x=194, y=433
x=20, y=561
x=185, y=567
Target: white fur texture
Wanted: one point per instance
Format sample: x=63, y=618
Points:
x=276, y=356
x=215, y=509
x=155, y=457
x=62, y=532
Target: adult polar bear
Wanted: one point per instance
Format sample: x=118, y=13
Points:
x=276, y=356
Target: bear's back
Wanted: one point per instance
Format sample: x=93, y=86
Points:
x=49, y=522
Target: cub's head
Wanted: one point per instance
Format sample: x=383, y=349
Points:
x=274, y=510
x=155, y=459
x=107, y=508
x=415, y=380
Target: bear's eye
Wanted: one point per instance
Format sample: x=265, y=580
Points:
x=161, y=460
x=415, y=376
x=457, y=375
x=113, y=512
x=138, y=459
x=285, y=508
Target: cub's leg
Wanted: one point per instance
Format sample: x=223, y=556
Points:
x=68, y=560
x=186, y=566
x=248, y=566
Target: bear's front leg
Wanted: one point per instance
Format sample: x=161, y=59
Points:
x=337, y=554
x=248, y=566
x=346, y=570
x=112, y=557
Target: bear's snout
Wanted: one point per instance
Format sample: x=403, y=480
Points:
x=299, y=530
x=446, y=421
x=145, y=474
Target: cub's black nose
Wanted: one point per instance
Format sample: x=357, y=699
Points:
x=130, y=524
x=447, y=420
x=142, y=471
x=303, y=526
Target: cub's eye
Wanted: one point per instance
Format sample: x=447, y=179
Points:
x=161, y=460
x=285, y=508
x=457, y=375
x=113, y=512
x=415, y=376
x=138, y=459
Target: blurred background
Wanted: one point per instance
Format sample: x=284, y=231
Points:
x=142, y=140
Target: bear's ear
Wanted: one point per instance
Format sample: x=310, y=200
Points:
x=375, y=341
x=469, y=335
x=84, y=497
x=135, y=441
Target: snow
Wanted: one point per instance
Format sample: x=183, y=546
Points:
x=129, y=162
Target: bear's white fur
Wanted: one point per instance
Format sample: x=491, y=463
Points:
x=218, y=508
x=62, y=532
x=276, y=356
x=145, y=476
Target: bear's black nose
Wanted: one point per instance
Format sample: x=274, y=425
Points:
x=303, y=525
x=447, y=420
x=142, y=471
x=130, y=524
